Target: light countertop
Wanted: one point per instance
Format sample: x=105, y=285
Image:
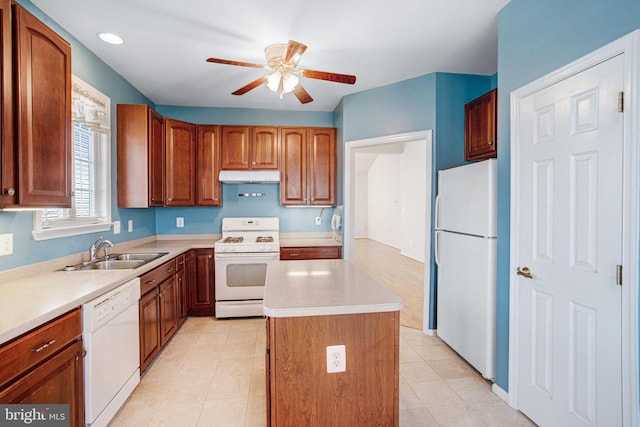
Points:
x=324, y=287
x=28, y=302
x=293, y=240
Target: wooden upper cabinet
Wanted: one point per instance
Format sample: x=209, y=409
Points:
x=308, y=166
x=293, y=169
x=208, y=191
x=249, y=147
x=8, y=177
x=180, y=163
x=480, y=137
x=140, y=150
x=43, y=119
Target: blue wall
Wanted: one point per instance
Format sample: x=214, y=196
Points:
x=535, y=38
x=434, y=101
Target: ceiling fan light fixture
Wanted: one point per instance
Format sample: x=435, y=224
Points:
x=282, y=82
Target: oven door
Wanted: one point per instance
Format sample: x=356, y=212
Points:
x=242, y=276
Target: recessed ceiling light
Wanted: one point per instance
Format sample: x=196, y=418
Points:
x=110, y=38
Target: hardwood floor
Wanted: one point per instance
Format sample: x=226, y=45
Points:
x=401, y=274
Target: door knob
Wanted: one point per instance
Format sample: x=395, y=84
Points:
x=525, y=272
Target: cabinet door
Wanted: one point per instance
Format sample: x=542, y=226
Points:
x=149, y=327
x=293, y=161
x=208, y=155
x=180, y=163
x=156, y=158
x=263, y=148
x=43, y=113
x=202, y=288
x=235, y=147
x=7, y=153
x=59, y=380
x=480, y=127
x=322, y=166
x=168, y=309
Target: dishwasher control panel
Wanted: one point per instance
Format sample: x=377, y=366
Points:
x=99, y=311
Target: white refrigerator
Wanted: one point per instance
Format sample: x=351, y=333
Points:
x=465, y=255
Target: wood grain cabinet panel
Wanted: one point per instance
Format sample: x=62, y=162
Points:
x=308, y=166
x=140, y=151
x=300, y=392
x=480, y=136
x=52, y=374
x=201, y=287
x=310, y=252
x=208, y=188
x=249, y=147
x=35, y=151
x=180, y=163
x=149, y=313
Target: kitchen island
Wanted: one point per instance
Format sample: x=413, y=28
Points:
x=315, y=304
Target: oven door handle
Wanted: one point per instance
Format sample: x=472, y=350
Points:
x=239, y=255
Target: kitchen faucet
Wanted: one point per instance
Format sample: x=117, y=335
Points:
x=100, y=243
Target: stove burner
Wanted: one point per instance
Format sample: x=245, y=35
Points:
x=267, y=239
x=233, y=239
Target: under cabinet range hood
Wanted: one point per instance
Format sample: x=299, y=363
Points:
x=249, y=176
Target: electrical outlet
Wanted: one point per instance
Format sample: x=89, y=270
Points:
x=6, y=244
x=318, y=220
x=116, y=227
x=336, y=358
x=179, y=221
x=130, y=225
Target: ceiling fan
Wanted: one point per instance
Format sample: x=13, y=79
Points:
x=283, y=59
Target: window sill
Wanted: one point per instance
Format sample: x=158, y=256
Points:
x=55, y=233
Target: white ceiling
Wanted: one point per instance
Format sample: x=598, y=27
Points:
x=167, y=43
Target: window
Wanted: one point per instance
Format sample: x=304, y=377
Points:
x=90, y=207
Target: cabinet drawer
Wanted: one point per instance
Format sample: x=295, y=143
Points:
x=39, y=344
x=310, y=252
x=156, y=276
x=180, y=260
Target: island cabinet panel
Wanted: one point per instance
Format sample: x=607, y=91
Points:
x=180, y=163
x=310, y=252
x=300, y=392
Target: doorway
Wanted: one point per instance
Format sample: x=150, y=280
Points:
x=402, y=189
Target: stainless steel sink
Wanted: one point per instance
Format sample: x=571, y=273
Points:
x=124, y=261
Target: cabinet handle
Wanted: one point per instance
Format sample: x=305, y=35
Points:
x=490, y=142
x=294, y=254
x=150, y=281
x=209, y=256
x=9, y=192
x=43, y=346
x=169, y=270
x=81, y=355
x=71, y=193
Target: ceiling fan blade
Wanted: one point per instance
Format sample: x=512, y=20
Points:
x=294, y=52
x=332, y=77
x=302, y=95
x=240, y=63
x=254, y=84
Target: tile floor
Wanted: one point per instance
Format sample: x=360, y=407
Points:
x=212, y=374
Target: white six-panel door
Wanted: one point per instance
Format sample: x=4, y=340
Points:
x=569, y=206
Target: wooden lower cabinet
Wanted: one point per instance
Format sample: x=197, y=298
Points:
x=201, y=282
x=149, y=327
x=310, y=252
x=158, y=311
x=53, y=374
x=300, y=392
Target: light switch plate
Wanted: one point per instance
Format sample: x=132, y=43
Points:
x=179, y=221
x=6, y=244
x=130, y=226
x=116, y=227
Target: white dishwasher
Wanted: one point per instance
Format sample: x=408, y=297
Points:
x=110, y=334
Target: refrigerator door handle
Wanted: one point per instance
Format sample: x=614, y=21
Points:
x=436, y=249
x=437, y=213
